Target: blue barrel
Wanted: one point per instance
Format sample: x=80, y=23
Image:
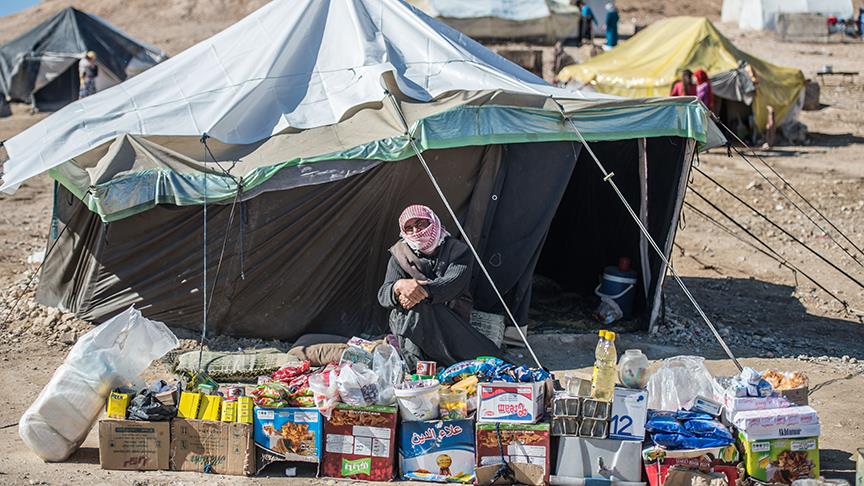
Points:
x=620, y=286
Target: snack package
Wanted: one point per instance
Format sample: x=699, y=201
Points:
x=786, y=381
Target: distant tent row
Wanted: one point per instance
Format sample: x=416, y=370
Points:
x=300, y=103
x=649, y=63
x=535, y=20
x=40, y=67
x=763, y=14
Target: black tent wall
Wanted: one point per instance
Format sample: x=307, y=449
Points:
x=313, y=257
x=592, y=229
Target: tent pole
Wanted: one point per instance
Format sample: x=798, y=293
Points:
x=608, y=177
x=459, y=225
x=204, y=325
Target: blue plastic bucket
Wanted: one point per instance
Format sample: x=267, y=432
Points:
x=619, y=286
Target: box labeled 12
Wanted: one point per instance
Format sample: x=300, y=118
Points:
x=629, y=412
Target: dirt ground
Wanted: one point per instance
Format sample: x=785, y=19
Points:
x=770, y=316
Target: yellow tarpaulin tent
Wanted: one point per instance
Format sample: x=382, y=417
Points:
x=649, y=62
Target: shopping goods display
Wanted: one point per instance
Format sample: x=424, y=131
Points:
x=111, y=355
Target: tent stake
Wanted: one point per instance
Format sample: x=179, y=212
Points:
x=607, y=176
x=459, y=225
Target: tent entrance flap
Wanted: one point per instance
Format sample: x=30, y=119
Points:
x=591, y=229
x=58, y=89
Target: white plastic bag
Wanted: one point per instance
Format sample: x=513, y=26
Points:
x=389, y=367
x=358, y=385
x=325, y=391
x=110, y=355
x=678, y=381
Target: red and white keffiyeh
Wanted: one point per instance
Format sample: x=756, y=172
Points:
x=428, y=239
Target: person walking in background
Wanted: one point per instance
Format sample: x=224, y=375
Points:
x=703, y=88
x=586, y=19
x=560, y=61
x=684, y=86
x=611, y=25
x=88, y=71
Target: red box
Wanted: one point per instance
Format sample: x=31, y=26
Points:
x=657, y=471
x=360, y=443
x=526, y=448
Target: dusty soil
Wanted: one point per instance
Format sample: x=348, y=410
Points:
x=769, y=315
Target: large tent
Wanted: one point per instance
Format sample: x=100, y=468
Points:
x=497, y=20
x=763, y=14
x=41, y=65
x=649, y=63
x=296, y=113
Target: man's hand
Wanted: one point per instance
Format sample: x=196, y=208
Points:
x=410, y=292
x=406, y=303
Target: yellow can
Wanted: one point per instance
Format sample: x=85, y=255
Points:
x=245, y=410
x=229, y=411
x=117, y=405
x=190, y=402
x=211, y=406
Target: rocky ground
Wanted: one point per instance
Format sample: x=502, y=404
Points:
x=770, y=316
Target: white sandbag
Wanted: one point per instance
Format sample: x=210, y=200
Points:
x=111, y=355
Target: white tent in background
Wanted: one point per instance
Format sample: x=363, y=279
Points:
x=762, y=14
x=549, y=20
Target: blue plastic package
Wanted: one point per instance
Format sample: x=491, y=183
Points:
x=682, y=441
x=707, y=428
x=660, y=424
x=688, y=415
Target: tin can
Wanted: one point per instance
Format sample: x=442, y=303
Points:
x=426, y=368
x=229, y=411
x=245, y=410
x=234, y=392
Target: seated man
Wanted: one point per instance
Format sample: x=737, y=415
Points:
x=426, y=287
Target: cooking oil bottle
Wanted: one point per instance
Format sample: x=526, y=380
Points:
x=605, y=367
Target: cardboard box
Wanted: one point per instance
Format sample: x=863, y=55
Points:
x=289, y=434
x=797, y=396
x=716, y=459
x=134, y=445
x=777, y=424
x=733, y=405
x=629, y=413
x=781, y=460
x=212, y=447
x=510, y=402
x=360, y=443
x=437, y=450
x=526, y=449
x=581, y=458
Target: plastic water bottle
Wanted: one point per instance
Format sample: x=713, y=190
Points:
x=605, y=368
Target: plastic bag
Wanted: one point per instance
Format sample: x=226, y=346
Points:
x=111, y=355
x=678, y=381
x=389, y=367
x=608, y=311
x=682, y=441
x=146, y=407
x=358, y=385
x=707, y=428
x=325, y=390
x=660, y=424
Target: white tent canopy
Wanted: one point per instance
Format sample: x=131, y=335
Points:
x=290, y=65
x=511, y=10
x=762, y=14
